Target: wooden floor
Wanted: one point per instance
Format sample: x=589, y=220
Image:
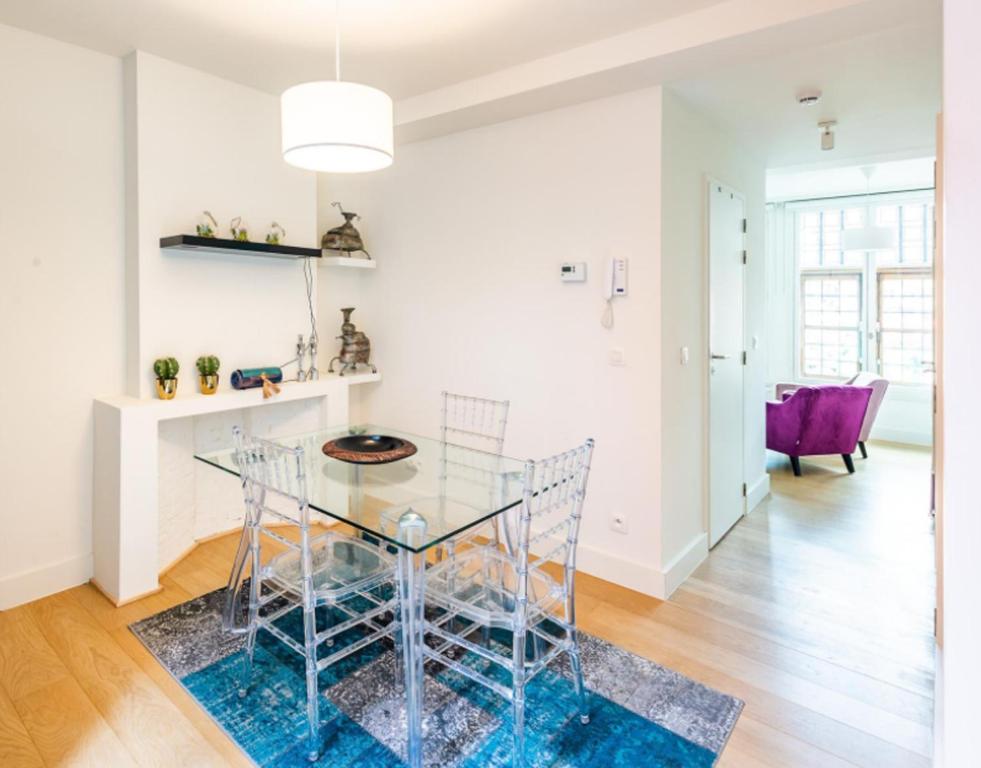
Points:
x=816, y=610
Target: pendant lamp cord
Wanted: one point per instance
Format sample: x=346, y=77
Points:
x=337, y=40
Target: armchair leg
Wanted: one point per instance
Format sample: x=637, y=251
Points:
x=795, y=463
x=863, y=449
x=849, y=464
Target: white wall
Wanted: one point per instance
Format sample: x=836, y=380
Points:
x=694, y=149
x=198, y=142
x=958, y=737
x=469, y=231
x=61, y=293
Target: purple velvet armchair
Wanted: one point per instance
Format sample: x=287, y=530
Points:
x=814, y=421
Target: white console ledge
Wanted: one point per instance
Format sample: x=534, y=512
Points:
x=125, y=485
x=195, y=404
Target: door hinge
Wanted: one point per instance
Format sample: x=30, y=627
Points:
x=744, y=357
x=744, y=489
x=744, y=257
x=744, y=226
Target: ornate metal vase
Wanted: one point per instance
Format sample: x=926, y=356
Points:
x=355, y=347
x=345, y=237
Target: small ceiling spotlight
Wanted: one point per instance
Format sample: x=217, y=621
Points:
x=809, y=97
x=827, y=135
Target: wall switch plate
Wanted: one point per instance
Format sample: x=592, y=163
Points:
x=617, y=356
x=684, y=356
x=573, y=272
x=619, y=523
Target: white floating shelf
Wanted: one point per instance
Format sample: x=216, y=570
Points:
x=348, y=261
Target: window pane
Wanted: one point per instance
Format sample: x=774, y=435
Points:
x=831, y=315
x=906, y=325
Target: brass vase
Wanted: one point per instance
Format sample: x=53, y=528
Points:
x=209, y=383
x=166, y=388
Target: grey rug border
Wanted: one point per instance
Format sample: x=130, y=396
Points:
x=132, y=627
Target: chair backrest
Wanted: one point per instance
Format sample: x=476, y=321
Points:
x=879, y=386
x=269, y=471
x=474, y=422
x=832, y=421
x=554, y=488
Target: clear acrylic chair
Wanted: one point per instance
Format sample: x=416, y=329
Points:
x=477, y=423
x=485, y=588
x=349, y=580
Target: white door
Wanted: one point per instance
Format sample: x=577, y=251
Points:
x=727, y=212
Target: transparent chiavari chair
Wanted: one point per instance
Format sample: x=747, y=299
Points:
x=344, y=581
x=478, y=423
x=485, y=588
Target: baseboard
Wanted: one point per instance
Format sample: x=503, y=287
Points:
x=757, y=492
x=615, y=568
x=902, y=436
x=31, y=585
x=684, y=563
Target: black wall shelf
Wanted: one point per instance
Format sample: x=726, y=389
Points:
x=220, y=245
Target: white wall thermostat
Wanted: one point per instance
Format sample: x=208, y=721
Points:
x=573, y=272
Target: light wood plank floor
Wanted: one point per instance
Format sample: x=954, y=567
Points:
x=816, y=610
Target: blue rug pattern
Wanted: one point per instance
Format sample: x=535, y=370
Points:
x=641, y=713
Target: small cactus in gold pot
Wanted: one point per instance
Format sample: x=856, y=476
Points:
x=166, y=369
x=208, y=366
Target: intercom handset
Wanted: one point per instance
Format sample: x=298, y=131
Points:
x=614, y=286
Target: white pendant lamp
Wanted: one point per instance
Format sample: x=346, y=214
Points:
x=337, y=127
x=869, y=237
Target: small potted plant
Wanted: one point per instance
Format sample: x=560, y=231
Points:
x=240, y=232
x=166, y=369
x=208, y=366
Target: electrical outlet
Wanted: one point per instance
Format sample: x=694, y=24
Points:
x=619, y=523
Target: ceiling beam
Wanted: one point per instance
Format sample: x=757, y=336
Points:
x=680, y=47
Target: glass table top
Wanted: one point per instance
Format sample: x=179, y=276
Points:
x=438, y=492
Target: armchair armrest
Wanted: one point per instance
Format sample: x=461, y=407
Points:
x=784, y=389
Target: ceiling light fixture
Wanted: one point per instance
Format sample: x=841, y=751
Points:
x=869, y=237
x=335, y=126
x=827, y=135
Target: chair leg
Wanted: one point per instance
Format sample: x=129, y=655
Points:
x=575, y=658
x=397, y=639
x=255, y=592
x=795, y=463
x=310, y=652
x=518, y=659
x=849, y=464
x=863, y=449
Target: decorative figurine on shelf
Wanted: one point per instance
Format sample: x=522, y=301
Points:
x=208, y=366
x=251, y=378
x=269, y=387
x=355, y=349
x=208, y=226
x=239, y=231
x=275, y=233
x=345, y=237
x=166, y=369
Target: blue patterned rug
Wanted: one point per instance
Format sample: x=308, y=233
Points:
x=642, y=714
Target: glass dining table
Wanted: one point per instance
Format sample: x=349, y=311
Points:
x=411, y=505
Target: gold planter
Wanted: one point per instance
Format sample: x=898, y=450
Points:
x=209, y=383
x=166, y=388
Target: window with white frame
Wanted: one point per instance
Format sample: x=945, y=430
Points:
x=865, y=310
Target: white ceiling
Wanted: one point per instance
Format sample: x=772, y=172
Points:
x=406, y=47
x=884, y=89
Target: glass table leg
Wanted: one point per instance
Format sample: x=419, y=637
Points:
x=411, y=585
